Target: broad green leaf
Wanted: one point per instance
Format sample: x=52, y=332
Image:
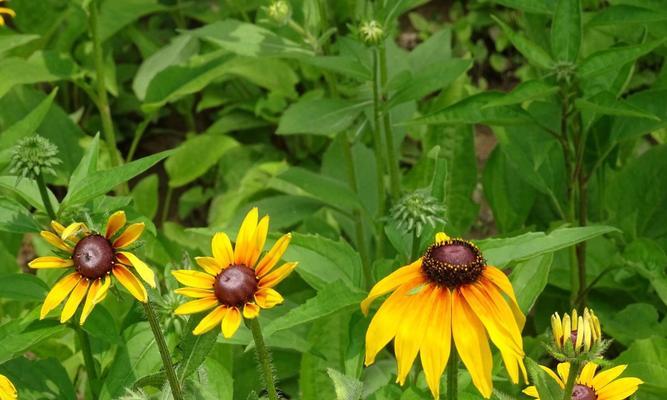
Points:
x=8, y=42
x=471, y=111
x=647, y=360
x=626, y=128
x=195, y=156
x=29, y=124
x=116, y=14
x=20, y=335
x=272, y=74
x=87, y=165
x=101, y=182
x=249, y=40
x=525, y=91
x=614, y=58
x=648, y=258
x=22, y=287
x=501, y=252
x=344, y=65
x=566, y=30
x=101, y=325
x=529, y=278
x=437, y=49
x=605, y=103
x=145, y=195
x=530, y=6
x=28, y=190
x=347, y=388
x=14, y=217
x=547, y=387
x=334, y=297
x=434, y=77
x=40, y=67
x=319, y=116
x=616, y=15
x=194, y=349
x=285, y=210
x=236, y=121
x=636, y=321
x=532, y=51
x=43, y=379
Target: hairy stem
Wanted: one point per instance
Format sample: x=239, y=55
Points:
x=88, y=360
x=394, y=172
x=43, y=192
x=452, y=375
x=571, y=379
x=264, y=358
x=164, y=351
x=379, y=159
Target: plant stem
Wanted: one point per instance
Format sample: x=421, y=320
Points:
x=43, y=192
x=394, y=172
x=164, y=351
x=88, y=360
x=166, y=205
x=264, y=358
x=138, y=134
x=452, y=375
x=571, y=379
x=379, y=159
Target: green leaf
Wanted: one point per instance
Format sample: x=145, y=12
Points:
x=618, y=15
x=14, y=217
x=636, y=321
x=101, y=325
x=471, y=110
x=285, y=210
x=194, y=348
x=347, y=388
x=607, y=104
x=249, y=40
x=22, y=287
x=101, y=182
x=614, y=58
x=40, y=67
x=532, y=51
x=8, y=42
x=116, y=14
x=547, y=387
x=195, y=156
x=145, y=195
x=28, y=190
x=28, y=125
x=566, y=30
x=432, y=78
x=529, y=278
x=530, y=6
x=647, y=360
x=501, y=252
x=87, y=165
x=525, y=91
x=20, y=335
x=344, y=65
x=43, y=379
x=325, y=117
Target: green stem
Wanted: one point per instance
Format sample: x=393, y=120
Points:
x=452, y=375
x=88, y=360
x=44, y=193
x=164, y=351
x=394, y=171
x=379, y=157
x=264, y=358
x=166, y=205
x=138, y=134
x=571, y=379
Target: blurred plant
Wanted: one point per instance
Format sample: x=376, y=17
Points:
x=5, y=11
x=416, y=210
x=34, y=156
x=371, y=32
x=280, y=12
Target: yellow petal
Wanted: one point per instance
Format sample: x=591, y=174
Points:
x=8, y=11
x=195, y=279
x=554, y=376
x=563, y=370
x=472, y=344
x=90, y=300
x=259, y=239
x=391, y=282
x=603, y=378
x=197, y=306
x=619, y=389
x=499, y=279
x=210, y=321
x=130, y=282
x=441, y=237
x=7, y=389
x=72, y=230
x=273, y=278
x=586, y=375
x=195, y=293
x=250, y=310
x=244, y=240
x=102, y=293
x=59, y=292
x=411, y=330
x=268, y=298
x=74, y=300
x=209, y=264
x=56, y=241
x=116, y=221
x=129, y=236
x=145, y=272
x=434, y=352
x=231, y=322
x=50, y=262
x=221, y=248
x=531, y=391
x=274, y=255
x=557, y=329
x=57, y=227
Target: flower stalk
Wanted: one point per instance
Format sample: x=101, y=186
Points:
x=164, y=351
x=452, y=375
x=571, y=379
x=88, y=360
x=379, y=157
x=394, y=172
x=44, y=194
x=264, y=358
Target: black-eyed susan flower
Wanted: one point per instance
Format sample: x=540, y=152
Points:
x=7, y=389
x=234, y=283
x=578, y=333
x=592, y=386
x=448, y=293
x=5, y=11
x=94, y=258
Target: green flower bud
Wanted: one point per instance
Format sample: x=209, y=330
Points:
x=371, y=32
x=416, y=210
x=280, y=12
x=34, y=156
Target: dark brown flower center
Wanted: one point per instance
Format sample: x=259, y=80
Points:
x=93, y=256
x=235, y=285
x=453, y=263
x=581, y=392
x=573, y=337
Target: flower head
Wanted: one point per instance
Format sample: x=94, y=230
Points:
x=280, y=11
x=450, y=292
x=576, y=334
x=235, y=280
x=371, y=32
x=592, y=386
x=6, y=11
x=94, y=258
x=33, y=156
x=416, y=210
x=7, y=389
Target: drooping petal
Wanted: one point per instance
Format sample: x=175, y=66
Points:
x=619, y=389
x=197, y=306
x=102, y=293
x=250, y=310
x=472, y=344
x=59, y=292
x=145, y=272
x=245, y=244
x=130, y=282
x=268, y=298
x=501, y=280
x=57, y=227
x=259, y=239
x=221, y=248
x=74, y=300
x=209, y=264
x=277, y=275
x=603, y=378
x=586, y=375
x=231, y=322
x=72, y=230
x=116, y=221
x=50, y=262
x=563, y=370
x=88, y=305
x=194, y=278
x=441, y=237
x=553, y=375
x=274, y=255
x=531, y=391
x=56, y=241
x=129, y=236
x=195, y=293
x=391, y=282
x=411, y=330
x=434, y=352
x=210, y=321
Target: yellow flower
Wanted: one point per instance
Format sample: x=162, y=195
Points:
x=589, y=386
x=7, y=389
x=581, y=331
x=234, y=283
x=449, y=292
x=6, y=11
x=94, y=258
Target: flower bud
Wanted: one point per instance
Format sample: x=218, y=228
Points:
x=280, y=12
x=416, y=210
x=371, y=32
x=576, y=334
x=34, y=156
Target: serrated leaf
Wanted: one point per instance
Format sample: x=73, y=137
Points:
x=347, y=388
x=194, y=348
